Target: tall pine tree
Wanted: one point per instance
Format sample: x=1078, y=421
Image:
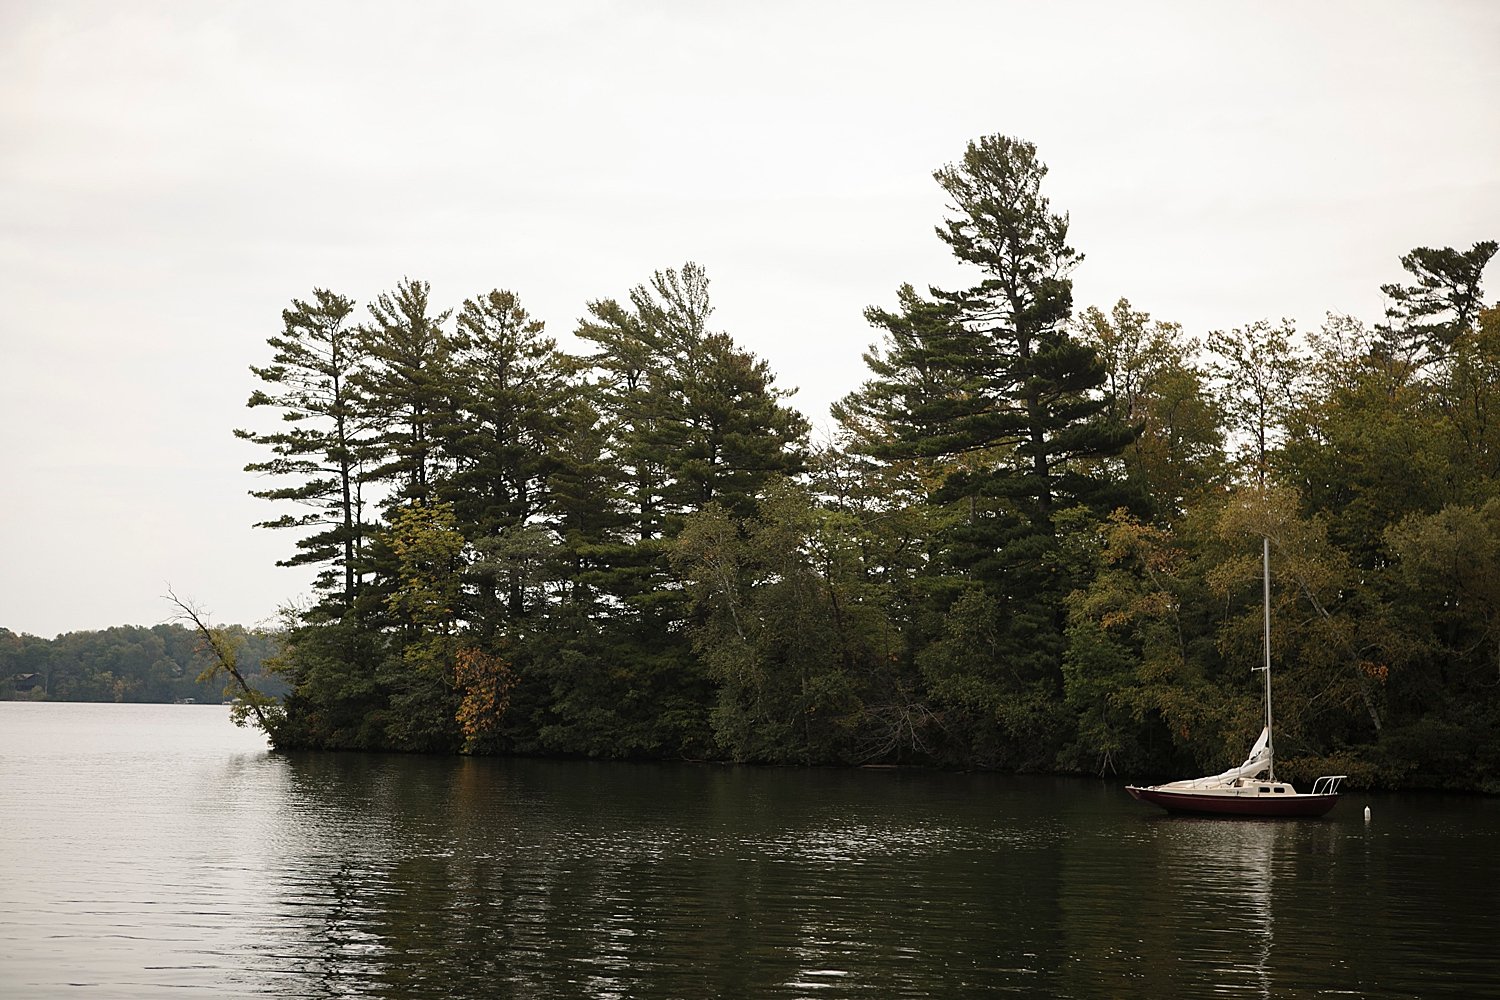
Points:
x=406, y=385
x=989, y=383
x=313, y=380
x=509, y=390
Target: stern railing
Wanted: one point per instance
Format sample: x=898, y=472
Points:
x=1328, y=784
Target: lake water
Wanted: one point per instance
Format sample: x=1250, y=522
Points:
x=151, y=850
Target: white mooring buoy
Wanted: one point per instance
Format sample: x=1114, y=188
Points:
x=1367, y=814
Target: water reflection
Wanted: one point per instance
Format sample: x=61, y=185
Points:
x=1225, y=869
x=145, y=866
x=411, y=878
x=1224, y=907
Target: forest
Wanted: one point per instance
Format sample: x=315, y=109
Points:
x=1032, y=544
x=128, y=663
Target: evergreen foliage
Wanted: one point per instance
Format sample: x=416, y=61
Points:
x=314, y=382
x=1032, y=544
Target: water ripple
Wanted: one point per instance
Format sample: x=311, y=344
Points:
x=149, y=850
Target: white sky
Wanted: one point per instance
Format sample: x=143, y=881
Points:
x=172, y=174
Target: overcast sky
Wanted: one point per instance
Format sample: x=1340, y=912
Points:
x=172, y=174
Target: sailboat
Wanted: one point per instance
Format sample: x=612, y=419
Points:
x=1251, y=789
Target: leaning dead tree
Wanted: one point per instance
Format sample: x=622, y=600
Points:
x=222, y=647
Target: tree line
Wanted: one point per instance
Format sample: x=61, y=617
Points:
x=1032, y=543
x=126, y=664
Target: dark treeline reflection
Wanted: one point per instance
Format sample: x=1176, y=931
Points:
x=157, y=850
x=412, y=877
x=573, y=879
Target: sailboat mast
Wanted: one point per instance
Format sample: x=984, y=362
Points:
x=1266, y=584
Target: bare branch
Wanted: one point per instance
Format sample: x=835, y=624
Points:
x=223, y=647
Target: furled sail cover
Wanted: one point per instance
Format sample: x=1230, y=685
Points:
x=1257, y=763
x=1260, y=756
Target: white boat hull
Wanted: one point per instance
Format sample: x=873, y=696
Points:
x=1254, y=799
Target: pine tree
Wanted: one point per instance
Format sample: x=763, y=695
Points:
x=406, y=387
x=1424, y=318
x=314, y=380
x=684, y=418
x=989, y=385
x=1038, y=404
x=509, y=389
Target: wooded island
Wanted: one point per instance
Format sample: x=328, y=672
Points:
x=1032, y=545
